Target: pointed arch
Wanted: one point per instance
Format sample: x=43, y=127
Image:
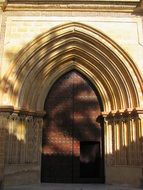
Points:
x=66, y=47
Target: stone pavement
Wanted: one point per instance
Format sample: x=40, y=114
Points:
x=72, y=187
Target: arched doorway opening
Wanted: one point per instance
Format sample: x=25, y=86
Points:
x=73, y=132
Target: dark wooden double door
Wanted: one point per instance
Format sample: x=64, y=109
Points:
x=72, y=135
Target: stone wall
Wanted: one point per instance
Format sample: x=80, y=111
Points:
x=124, y=147
x=20, y=134
x=20, y=150
x=3, y=123
x=22, y=28
x=21, y=138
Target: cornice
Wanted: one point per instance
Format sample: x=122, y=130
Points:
x=21, y=111
x=112, y=113
x=122, y=112
x=65, y=5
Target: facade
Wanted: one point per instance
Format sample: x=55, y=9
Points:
x=100, y=42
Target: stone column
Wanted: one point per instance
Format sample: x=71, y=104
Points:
x=140, y=126
x=109, y=139
x=3, y=130
x=39, y=126
x=11, y=139
x=37, y=130
x=139, y=134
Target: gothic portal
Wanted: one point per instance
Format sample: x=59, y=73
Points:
x=71, y=91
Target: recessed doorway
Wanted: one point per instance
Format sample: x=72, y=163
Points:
x=72, y=145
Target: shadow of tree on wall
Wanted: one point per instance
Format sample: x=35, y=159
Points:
x=72, y=109
x=22, y=151
x=85, y=114
x=127, y=157
x=20, y=69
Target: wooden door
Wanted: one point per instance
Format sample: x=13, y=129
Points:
x=72, y=138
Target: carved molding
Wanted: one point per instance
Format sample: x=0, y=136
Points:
x=123, y=114
x=20, y=111
x=66, y=5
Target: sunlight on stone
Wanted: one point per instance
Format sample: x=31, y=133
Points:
x=109, y=140
x=134, y=132
x=141, y=129
x=18, y=131
x=118, y=138
x=125, y=136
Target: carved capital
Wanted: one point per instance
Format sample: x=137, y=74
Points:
x=5, y=115
x=14, y=117
x=38, y=122
x=29, y=119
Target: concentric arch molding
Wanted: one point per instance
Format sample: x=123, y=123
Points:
x=64, y=48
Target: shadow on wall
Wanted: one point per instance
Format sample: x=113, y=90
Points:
x=127, y=157
x=72, y=110
x=23, y=140
x=14, y=79
x=22, y=150
x=72, y=102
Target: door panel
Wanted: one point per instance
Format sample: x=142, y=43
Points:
x=71, y=131
x=89, y=159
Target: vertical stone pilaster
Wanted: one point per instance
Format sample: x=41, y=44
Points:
x=29, y=127
x=117, y=142
x=3, y=130
x=109, y=140
x=129, y=147
x=105, y=140
x=139, y=123
x=137, y=139
x=22, y=140
x=39, y=138
x=13, y=138
x=38, y=125
x=133, y=142
x=125, y=131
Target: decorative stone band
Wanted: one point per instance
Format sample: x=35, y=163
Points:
x=21, y=136
x=123, y=137
x=21, y=111
x=66, y=5
x=132, y=112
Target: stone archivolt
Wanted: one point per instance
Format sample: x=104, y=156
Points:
x=67, y=47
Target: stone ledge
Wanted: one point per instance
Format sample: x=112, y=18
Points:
x=128, y=111
x=21, y=111
x=64, y=5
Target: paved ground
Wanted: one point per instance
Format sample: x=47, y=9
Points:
x=72, y=187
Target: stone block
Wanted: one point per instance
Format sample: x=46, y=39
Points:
x=126, y=175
